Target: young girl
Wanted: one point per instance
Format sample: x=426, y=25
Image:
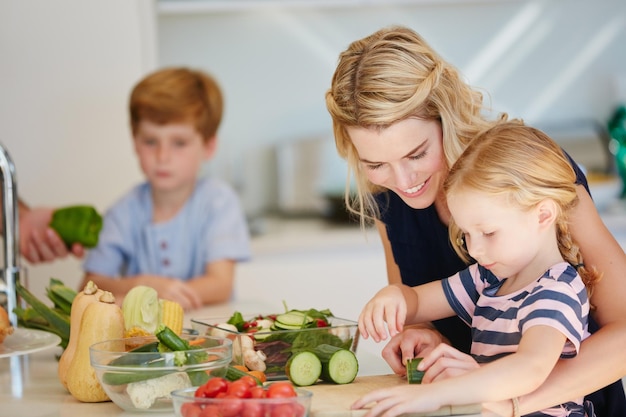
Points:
x=401, y=117
x=510, y=194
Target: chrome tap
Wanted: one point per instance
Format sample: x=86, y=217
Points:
x=10, y=229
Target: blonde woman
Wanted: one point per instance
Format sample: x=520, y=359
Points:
x=401, y=117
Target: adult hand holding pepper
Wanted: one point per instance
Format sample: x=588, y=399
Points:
x=38, y=242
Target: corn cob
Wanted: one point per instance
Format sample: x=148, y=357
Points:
x=171, y=315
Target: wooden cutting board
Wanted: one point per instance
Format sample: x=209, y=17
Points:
x=330, y=400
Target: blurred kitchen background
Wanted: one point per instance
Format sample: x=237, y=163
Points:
x=67, y=67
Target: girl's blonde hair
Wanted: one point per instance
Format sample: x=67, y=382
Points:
x=524, y=165
x=388, y=77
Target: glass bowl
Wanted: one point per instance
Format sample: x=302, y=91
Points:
x=143, y=381
x=275, y=345
x=187, y=405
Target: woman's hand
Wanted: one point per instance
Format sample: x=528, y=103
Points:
x=444, y=362
x=414, y=342
x=38, y=242
x=388, y=305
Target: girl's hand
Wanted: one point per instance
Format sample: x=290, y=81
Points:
x=388, y=305
x=444, y=362
x=410, y=343
x=405, y=399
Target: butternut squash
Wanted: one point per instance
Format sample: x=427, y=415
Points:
x=101, y=321
x=88, y=295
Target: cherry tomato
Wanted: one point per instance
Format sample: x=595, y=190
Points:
x=212, y=387
x=252, y=409
x=190, y=410
x=298, y=410
x=249, y=380
x=239, y=389
x=258, y=392
x=230, y=406
x=282, y=410
x=321, y=323
x=281, y=390
x=210, y=410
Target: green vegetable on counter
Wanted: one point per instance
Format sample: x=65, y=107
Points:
x=77, y=224
x=414, y=376
x=38, y=315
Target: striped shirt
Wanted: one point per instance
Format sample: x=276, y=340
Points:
x=557, y=299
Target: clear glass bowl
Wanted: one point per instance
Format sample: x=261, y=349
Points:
x=275, y=344
x=143, y=381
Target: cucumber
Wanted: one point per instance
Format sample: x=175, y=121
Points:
x=151, y=347
x=233, y=374
x=339, y=366
x=292, y=320
x=413, y=376
x=303, y=368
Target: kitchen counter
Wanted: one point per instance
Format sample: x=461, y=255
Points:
x=29, y=386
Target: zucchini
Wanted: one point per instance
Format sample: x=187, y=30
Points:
x=303, y=368
x=233, y=374
x=413, y=376
x=152, y=347
x=339, y=366
x=170, y=339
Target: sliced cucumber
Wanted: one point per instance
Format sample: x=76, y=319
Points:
x=413, y=376
x=303, y=368
x=292, y=320
x=339, y=366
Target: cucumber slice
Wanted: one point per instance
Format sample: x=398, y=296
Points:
x=292, y=320
x=413, y=376
x=303, y=368
x=339, y=366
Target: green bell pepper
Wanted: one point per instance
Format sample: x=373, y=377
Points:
x=77, y=224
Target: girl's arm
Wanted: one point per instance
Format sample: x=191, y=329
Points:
x=602, y=357
x=398, y=304
x=505, y=378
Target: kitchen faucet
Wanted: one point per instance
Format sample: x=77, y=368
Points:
x=10, y=274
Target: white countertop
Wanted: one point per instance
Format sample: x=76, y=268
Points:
x=29, y=386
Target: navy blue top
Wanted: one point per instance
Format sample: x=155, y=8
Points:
x=423, y=252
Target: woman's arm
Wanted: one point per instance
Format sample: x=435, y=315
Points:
x=602, y=357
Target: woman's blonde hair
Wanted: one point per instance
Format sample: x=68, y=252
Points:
x=524, y=165
x=388, y=77
x=178, y=94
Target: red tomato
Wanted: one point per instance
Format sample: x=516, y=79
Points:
x=230, y=406
x=298, y=410
x=248, y=380
x=258, y=392
x=283, y=410
x=281, y=390
x=252, y=409
x=190, y=410
x=210, y=410
x=212, y=387
x=239, y=389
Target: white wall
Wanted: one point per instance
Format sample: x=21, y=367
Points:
x=66, y=68
x=546, y=61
